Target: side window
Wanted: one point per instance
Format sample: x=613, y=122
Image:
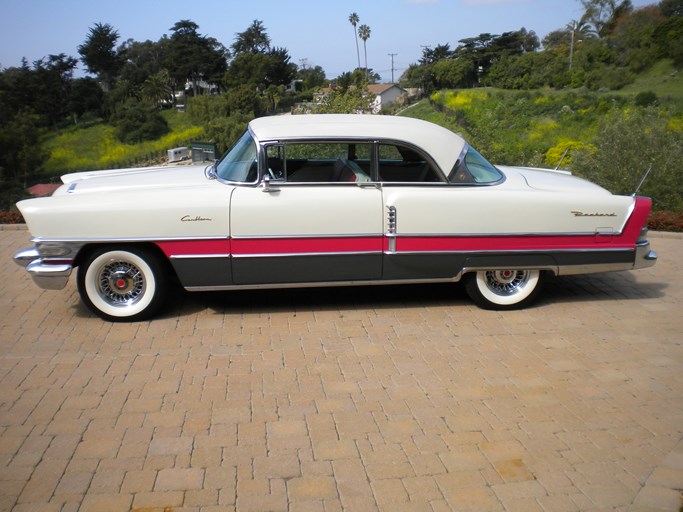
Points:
x=403, y=164
x=323, y=162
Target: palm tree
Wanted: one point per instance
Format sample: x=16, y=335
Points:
x=354, y=19
x=364, y=34
x=157, y=88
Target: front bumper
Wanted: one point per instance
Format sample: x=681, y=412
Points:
x=49, y=274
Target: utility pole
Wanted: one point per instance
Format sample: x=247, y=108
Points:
x=571, y=47
x=392, y=55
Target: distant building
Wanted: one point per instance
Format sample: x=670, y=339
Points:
x=387, y=94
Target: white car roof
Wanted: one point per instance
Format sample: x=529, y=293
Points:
x=442, y=144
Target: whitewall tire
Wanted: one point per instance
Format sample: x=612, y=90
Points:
x=122, y=284
x=503, y=289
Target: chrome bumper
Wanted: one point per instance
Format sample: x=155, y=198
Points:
x=45, y=273
x=644, y=256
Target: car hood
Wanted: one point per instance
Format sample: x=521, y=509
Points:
x=548, y=180
x=153, y=178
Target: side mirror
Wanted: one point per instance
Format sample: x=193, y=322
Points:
x=265, y=183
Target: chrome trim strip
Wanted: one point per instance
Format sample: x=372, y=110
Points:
x=84, y=241
x=197, y=256
x=518, y=251
x=509, y=235
x=317, y=284
x=293, y=254
x=298, y=237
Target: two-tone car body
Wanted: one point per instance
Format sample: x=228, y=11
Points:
x=324, y=200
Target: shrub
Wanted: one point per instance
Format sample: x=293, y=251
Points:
x=665, y=221
x=627, y=143
x=646, y=99
x=11, y=217
x=136, y=121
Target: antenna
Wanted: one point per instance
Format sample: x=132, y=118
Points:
x=561, y=159
x=642, y=179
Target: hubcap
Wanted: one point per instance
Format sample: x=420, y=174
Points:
x=506, y=282
x=120, y=283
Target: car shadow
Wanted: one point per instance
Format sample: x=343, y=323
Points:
x=569, y=289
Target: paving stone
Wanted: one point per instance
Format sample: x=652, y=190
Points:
x=377, y=399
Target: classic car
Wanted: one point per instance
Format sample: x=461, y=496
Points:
x=325, y=200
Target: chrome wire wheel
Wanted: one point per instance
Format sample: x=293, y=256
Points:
x=506, y=282
x=503, y=289
x=121, y=283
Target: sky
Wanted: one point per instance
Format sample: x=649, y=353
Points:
x=315, y=32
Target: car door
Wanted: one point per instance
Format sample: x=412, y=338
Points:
x=316, y=217
x=421, y=208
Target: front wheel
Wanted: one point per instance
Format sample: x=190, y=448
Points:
x=503, y=289
x=124, y=284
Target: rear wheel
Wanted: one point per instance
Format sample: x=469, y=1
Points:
x=503, y=289
x=122, y=284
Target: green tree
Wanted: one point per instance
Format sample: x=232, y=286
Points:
x=52, y=81
x=603, y=15
x=136, y=121
x=626, y=144
x=86, y=98
x=451, y=73
x=191, y=57
x=633, y=38
x=142, y=59
x=157, y=89
x=351, y=101
x=99, y=55
x=354, y=20
x=312, y=77
x=254, y=39
x=671, y=7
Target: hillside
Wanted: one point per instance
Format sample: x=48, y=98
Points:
x=608, y=138
x=95, y=146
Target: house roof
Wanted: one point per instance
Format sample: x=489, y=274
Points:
x=43, y=189
x=382, y=88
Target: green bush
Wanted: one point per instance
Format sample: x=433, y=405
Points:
x=645, y=99
x=627, y=143
x=137, y=121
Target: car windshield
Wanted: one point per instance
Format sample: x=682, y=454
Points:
x=239, y=164
x=471, y=167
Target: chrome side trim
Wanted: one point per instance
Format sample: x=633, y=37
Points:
x=197, y=256
x=290, y=254
x=84, y=241
x=520, y=251
x=297, y=237
x=317, y=284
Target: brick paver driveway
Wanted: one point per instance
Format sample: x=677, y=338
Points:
x=361, y=399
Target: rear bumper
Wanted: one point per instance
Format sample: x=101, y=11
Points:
x=644, y=256
x=47, y=274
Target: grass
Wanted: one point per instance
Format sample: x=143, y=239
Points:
x=96, y=147
x=663, y=79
